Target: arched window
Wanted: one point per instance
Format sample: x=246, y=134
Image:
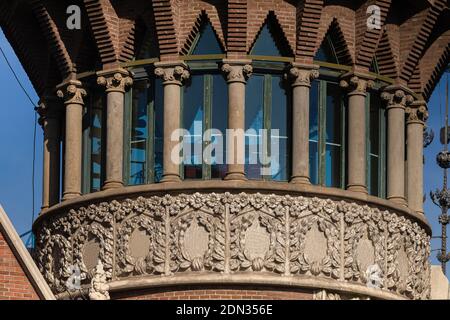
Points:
x=205, y=110
x=267, y=111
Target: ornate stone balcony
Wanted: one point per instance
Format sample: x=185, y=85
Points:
x=225, y=232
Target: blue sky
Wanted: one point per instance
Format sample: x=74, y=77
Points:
x=16, y=149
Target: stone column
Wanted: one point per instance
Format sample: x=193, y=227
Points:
x=397, y=99
x=173, y=75
x=237, y=73
x=301, y=76
x=73, y=94
x=116, y=82
x=357, y=84
x=50, y=119
x=417, y=115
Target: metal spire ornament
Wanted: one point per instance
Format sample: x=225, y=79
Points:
x=441, y=198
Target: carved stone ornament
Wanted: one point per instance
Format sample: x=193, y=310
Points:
x=99, y=287
x=328, y=295
x=397, y=98
x=207, y=233
x=172, y=74
x=302, y=76
x=356, y=84
x=115, y=82
x=237, y=72
x=72, y=92
x=416, y=113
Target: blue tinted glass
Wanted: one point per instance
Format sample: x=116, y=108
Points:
x=254, y=116
x=219, y=119
x=139, y=134
x=326, y=52
x=159, y=129
x=333, y=116
x=207, y=42
x=265, y=44
x=96, y=142
x=193, y=122
x=279, y=120
x=333, y=166
x=314, y=132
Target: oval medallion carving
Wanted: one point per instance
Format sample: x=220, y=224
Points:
x=196, y=240
x=315, y=245
x=257, y=240
x=139, y=244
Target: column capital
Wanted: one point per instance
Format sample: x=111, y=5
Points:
x=357, y=83
x=172, y=72
x=115, y=80
x=301, y=75
x=397, y=96
x=49, y=107
x=417, y=112
x=71, y=92
x=237, y=70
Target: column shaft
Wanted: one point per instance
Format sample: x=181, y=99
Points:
x=417, y=115
x=116, y=82
x=301, y=76
x=173, y=75
x=73, y=98
x=237, y=72
x=397, y=98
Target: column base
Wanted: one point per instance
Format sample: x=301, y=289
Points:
x=70, y=195
x=399, y=200
x=300, y=180
x=240, y=176
x=112, y=185
x=170, y=178
x=357, y=188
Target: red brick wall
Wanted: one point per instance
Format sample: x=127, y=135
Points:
x=14, y=284
x=211, y=293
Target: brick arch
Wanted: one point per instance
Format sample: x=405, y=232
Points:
x=55, y=42
x=367, y=39
x=37, y=63
x=339, y=41
x=105, y=28
x=432, y=65
x=426, y=20
x=202, y=19
x=274, y=27
x=387, y=56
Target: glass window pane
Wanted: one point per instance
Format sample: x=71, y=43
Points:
x=254, y=117
x=219, y=119
x=159, y=129
x=333, y=166
x=374, y=175
x=265, y=44
x=193, y=122
x=96, y=142
x=333, y=114
x=326, y=51
x=139, y=133
x=207, y=42
x=280, y=161
x=374, y=124
x=314, y=132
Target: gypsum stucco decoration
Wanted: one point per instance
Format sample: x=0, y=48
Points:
x=248, y=233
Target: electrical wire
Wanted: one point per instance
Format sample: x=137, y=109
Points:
x=34, y=131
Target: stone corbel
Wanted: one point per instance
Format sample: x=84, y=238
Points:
x=71, y=92
x=237, y=70
x=357, y=83
x=302, y=74
x=172, y=72
x=118, y=80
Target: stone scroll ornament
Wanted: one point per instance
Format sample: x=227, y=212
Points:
x=207, y=233
x=118, y=81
